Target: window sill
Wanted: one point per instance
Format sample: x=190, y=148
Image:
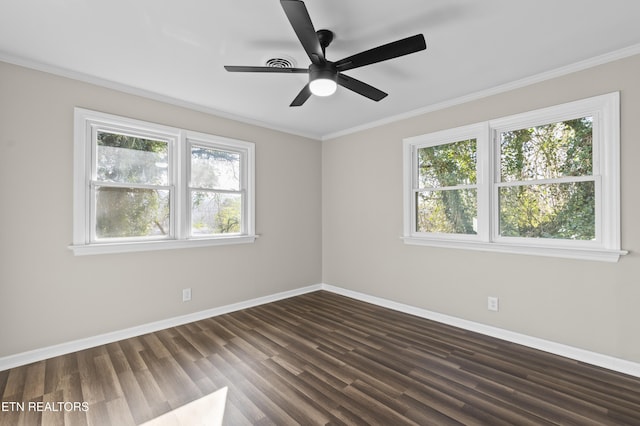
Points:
x=602, y=255
x=128, y=247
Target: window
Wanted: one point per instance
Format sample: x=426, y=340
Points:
x=215, y=189
x=447, y=173
x=142, y=186
x=544, y=182
x=131, y=190
x=546, y=187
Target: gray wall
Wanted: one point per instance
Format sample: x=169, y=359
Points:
x=48, y=296
x=349, y=236
x=586, y=304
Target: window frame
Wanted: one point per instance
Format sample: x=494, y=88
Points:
x=246, y=159
x=92, y=181
x=446, y=137
x=86, y=125
x=605, y=111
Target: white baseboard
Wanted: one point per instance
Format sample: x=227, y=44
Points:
x=36, y=355
x=577, y=354
x=605, y=361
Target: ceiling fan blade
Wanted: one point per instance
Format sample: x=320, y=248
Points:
x=302, y=96
x=299, y=18
x=361, y=88
x=240, y=68
x=382, y=53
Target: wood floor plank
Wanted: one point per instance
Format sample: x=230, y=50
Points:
x=57, y=370
x=53, y=418
x=242, y=380
x=210, y=366
x=34, y=381
x=548, y=397
x=323, y=359
x=431, y=409
x=236, y=416
x=119, y=412
x=107, y=377
x=472, y=397
x=173, y=381
x=15, y=383
x=156, y=401
x=132, y=350
x=71, y=386
x=371, y=410
x=135, y=397
x=4, y=377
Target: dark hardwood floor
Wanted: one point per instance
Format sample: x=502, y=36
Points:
x=319, y=358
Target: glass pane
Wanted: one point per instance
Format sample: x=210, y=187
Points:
x=214, y=213
x=215, y=169
x=447, y=165
x=547, y=152
x=127, y=159
x=563, y=210
x=131, y=212
x=451, y=212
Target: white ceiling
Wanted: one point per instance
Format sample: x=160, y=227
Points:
x=175, y=50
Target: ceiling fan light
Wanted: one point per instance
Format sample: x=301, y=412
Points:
x=323, y=87
x=323, y=79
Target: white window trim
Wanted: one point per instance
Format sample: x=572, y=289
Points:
x=606, y=112
x=247, y=179
x=85, y=121
x=474, y=131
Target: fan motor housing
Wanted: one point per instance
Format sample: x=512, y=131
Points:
x=325, y=71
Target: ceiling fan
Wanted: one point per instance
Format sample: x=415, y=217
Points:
x=325, y=75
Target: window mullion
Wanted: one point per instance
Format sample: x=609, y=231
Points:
x=96, y=183
x=445, y=188
x=179, y=176
x=493, y=208
x=412, y=207
x=217, y=191
x=567, y=179
x=484, y=181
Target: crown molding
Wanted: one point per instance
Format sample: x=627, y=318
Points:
x=537, y=78
x=131, y=90
x=517, y=84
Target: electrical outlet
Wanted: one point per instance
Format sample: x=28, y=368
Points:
x=492, y=303
x=186, y=294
